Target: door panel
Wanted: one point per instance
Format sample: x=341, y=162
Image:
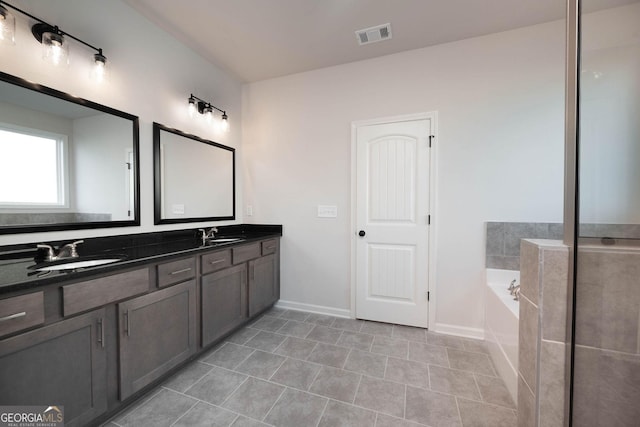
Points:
x=392, y=184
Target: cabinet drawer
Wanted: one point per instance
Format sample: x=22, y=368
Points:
x=269, y=246
x=21, y=312
x=215, y=261
x=83, y=296
x=246, y=252
x=176, y=271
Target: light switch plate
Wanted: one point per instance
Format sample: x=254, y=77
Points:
x=327, y=211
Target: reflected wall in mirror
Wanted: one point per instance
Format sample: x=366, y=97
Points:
x=194, y=178
x=65, y=162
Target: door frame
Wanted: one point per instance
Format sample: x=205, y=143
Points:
x=433, y=162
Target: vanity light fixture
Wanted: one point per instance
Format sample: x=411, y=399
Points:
x=208, y=110
x=54, y=41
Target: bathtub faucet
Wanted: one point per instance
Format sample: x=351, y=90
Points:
x=511, y=286
x=516, y=293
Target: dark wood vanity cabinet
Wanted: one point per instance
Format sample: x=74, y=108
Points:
x=60, y=364
x=157, y=331
x=264, y=278
x=224, y=302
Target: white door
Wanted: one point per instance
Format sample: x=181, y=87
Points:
x=392, y=249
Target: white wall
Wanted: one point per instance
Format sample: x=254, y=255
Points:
x=152, y=75
x=499, y=155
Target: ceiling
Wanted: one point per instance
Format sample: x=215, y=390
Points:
x=260, y=39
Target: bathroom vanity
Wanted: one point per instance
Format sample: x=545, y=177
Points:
x=94, y=339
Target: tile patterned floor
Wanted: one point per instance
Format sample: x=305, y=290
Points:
x=291, y=368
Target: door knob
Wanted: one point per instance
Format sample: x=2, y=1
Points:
x=361, y=233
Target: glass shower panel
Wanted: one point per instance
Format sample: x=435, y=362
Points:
x=606, y=375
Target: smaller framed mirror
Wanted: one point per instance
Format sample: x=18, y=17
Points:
x=194, y=178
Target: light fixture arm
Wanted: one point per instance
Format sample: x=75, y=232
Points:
x=44, y=26
x=207, y=104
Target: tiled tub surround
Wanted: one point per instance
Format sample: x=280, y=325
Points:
x=503, y=241
x=607, y=355
x=542, y=333
x=501, y=326
x=291, y=368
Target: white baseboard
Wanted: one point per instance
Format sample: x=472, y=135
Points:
x=312, y=308
x=461, y=331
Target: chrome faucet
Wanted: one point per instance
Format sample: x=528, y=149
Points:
x=208, y=235
x=511, y=286
x=516, y=293
x=70, y=250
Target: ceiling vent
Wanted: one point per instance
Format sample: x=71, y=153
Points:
x=374, y=34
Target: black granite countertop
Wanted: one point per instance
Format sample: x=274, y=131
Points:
x=18, y=263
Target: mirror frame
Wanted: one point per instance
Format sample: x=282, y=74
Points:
x=157, y=187
x=36, y=228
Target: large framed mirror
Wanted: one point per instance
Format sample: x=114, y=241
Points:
x=65, y=162
x=194, y=178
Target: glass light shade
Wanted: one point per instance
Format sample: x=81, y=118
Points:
x=224, y=123
x=208, y=115
x=7, y=27
x=192, y=107
x=100, y=69
x=55, y=49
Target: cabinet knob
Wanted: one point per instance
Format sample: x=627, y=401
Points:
x=361, y=233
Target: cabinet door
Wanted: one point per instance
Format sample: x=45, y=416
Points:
x=264, y=286
x=157, y=332
x=60, y=364
x=224, y=302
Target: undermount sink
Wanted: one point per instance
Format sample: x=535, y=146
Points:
x=72, y=264
x=224, y=240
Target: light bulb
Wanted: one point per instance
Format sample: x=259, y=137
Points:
x=7, y=26
x=56, y=50
x=99, y=73
x=208, y=114
x=224, y=123
x=192, y=107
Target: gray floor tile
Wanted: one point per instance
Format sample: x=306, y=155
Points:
x=161, y=410
x=247, y=422
x=470, y=361
x=432, y=408
x=324, y=334
x=407, y=372
x=216, y=386
x=395, y=347
x=377, y=328
x=300, y=316
x=384, y=420
x=479, y=346
x=261, y=364
x=327, y=354
x=477, y=414
x=297, y=348
x=242, y=336
x=339, y=414
x=296, y=329
x=228, y=356
x=268, y=323
x=410, y=333
x=275, y=312
x=434, y=338
x=353, y=325
x=295, y=409
x=432, y=354
x=453, y=381
x=266, y=341
x=356, y=340
x=254, y=398
x=367, y=363
x=382, y=396
x=493, y=390
x=336, y=384
x=205, y=415
x=187, y=376
x=137, y=404
x=320, y=319
x=296, y=373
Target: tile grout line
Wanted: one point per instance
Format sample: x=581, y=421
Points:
x=353, y=402
x=235, y=390
x=185, y=413
x=285, y=358
x=475, y=381
x=323, y=411
x=274, y=404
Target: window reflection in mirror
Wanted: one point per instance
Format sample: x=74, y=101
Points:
x=65, y=162
x=194, y=178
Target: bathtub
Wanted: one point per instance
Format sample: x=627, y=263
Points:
x=501, y=326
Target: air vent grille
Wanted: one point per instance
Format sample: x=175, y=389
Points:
x=374, y=34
